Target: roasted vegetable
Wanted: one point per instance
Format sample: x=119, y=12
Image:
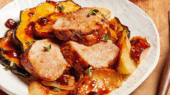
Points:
x=35, y=88
x=121, y=38
x=126, y=64
x=8, y=51
x=24, y=31
x=9, y=55
x=116, y=26
x=139, y=48
x=43, y=26
x=65, y=82
x=68, y=6
x=102, y=81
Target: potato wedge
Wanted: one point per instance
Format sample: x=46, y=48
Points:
x=125, y=65
x=116, y=26
x=102, y=81
x=121, y=38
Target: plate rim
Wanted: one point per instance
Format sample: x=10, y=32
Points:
x=8, y=91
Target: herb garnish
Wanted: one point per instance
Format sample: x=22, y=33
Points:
x=29, y=43
x=89, y=71
x=7, y=67
x=12, y=63
x=103, y=15
x=90, y=12
x=35, y=40
x=93, y=12
x=56, y=89
x=47, y=48
x=61, y=7
x=126, y=31
x=106, y=37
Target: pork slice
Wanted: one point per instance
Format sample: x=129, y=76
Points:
x=81, y=27
x=100, y=55
x=47, y=65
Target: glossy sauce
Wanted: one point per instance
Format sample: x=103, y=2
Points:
x=31, y=14
x=43, y=21
x=138, y=45
x=70, y=94
x=53, y=3
x=93, y=93
x=30, y=28
x=8, y=46
x=11, y=53
x=11, y=24
x=62, y=80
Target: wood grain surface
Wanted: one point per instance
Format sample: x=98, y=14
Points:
x=158, y=11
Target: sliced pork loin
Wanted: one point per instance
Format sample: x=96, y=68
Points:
x=47, y=65
x=100, y=55
x=81, y=27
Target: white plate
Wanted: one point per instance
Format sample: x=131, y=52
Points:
x=130, y=15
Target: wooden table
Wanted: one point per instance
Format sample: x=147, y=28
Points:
x=158, y=11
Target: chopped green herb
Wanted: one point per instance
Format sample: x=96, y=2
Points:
x=7, y=67
x=103, y=15
x=61, y=7
x=126, y=31
x=48, y=48
x=29, y=43
x=56, y=89
x=89, y=71
x=96, y=10
x=93, y=12
x=121, y=31
x=106, y=37
x=90, y=12
x=12, y=63
x=8, y=59
x=35, y=40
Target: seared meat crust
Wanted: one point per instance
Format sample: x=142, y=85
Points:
x=100, y=55
x=47, y=65
x=80, y=27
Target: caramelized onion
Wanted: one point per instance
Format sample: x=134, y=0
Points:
x=71, y=83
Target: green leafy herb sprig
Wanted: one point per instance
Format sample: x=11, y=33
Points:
x=47, y=48
x=61, y=7
x=30, y=43
x=106, y=37
x=89, y=71
x=7, y=67
x=93, y=12
x=56, y=89
x=103, y=15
